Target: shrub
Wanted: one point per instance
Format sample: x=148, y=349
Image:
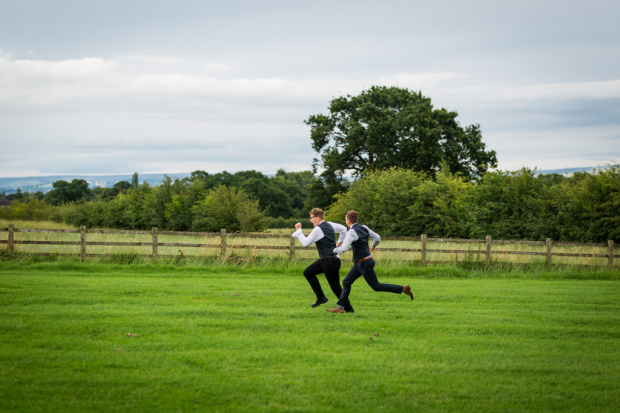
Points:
x=228, y=208
x=505, y=205
x=382, y=199
x=33, y=210
x=287, y=222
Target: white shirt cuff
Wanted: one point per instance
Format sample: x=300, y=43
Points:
x=296, y=233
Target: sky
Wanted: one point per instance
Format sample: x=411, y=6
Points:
x=111, y=87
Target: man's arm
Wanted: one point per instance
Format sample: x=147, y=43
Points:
x=348, y=240
x=314, y=236
x=340, y=229
x=376, y=239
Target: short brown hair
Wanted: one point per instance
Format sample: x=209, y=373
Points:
x=318, y=212
x=352, y=217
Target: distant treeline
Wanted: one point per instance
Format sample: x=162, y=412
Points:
x=506, y=205
x=243, y=201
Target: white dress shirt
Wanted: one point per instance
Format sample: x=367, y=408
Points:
x=352, y=237
x=317, y=234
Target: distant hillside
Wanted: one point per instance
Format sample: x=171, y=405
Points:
x=44, y=183
x=569, y=171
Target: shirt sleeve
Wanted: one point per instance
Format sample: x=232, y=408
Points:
x=348, y=240
x=314, y=236
x=376, y=239
x=340, y=229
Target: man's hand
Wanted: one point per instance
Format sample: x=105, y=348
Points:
x=298, y=225
x=373, y=249
x=339, y=244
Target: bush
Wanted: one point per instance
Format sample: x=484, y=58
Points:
x=171, y=206
x=228, y=208
x=505, y=205
x=287, y=222
x=33, y=210
x=382, y=199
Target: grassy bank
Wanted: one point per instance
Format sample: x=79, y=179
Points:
x=224, y=338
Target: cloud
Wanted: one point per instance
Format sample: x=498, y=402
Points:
x=218, y=67
x=95, y=115
x=155, y=59
x=39, y=82
x=416, y=81
x=50, y=82
x=557, y=148
x=552, y=91
x=36, y=82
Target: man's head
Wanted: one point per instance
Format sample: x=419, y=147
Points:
x=351, y=218
x=317, y=216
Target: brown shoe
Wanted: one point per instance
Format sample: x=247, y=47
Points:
x=408, y=291
x=334, y=310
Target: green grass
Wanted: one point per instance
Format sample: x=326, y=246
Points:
x=227, y=338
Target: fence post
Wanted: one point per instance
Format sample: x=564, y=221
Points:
x=488, y=254
x=292, y=249
x=610, y=253
x=83, y=243
x=548, y=260
x=223, y=242
x=11, y=240
x=155, y=231
x=423, y=249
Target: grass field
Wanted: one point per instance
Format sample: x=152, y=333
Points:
x=223, y=338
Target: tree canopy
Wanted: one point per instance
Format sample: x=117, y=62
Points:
x=111, y=193
x=280, y=196
x=64, y=191
x=387, y=127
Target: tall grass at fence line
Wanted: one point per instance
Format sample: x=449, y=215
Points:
x=284, y=230
x=36, y=224
x=473, y=259
x=129, y=254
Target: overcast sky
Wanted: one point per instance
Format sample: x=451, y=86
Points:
x=121, y=86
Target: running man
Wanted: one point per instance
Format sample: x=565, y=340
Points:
x=323, y=235
x=364, y=264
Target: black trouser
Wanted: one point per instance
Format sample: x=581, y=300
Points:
x=367, y=269
x=331, y=268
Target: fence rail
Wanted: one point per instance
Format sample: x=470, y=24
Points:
x=223, y=246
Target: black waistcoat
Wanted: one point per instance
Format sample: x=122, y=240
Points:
x=360, y=247
x=326, y=245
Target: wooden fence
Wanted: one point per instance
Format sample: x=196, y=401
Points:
x=222, y=246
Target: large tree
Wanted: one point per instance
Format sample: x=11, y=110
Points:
x=386, y=127
x=64, y=192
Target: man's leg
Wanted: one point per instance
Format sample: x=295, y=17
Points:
x=368, y=270
x=353, y=275
x=331, y=269
x=310, y=273
x=332, y=275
